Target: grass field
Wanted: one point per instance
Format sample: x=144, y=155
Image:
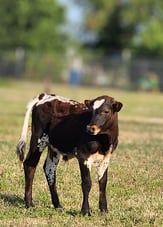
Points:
x=135, y=187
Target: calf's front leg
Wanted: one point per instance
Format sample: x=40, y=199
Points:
x=102, y=178
x=102, y=193
x=86, y=187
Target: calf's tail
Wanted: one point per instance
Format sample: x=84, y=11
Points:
x=21, y=145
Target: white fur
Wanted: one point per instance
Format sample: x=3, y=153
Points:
x=105, y=163
x=100, y=161
x=43, y=142
x=98, y=103
x=48, y=98
x=94, y=159
x=51, y=165
x=26, y=118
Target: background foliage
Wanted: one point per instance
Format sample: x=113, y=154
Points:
x=133, y=24
x=125, y=40
x=31, y=25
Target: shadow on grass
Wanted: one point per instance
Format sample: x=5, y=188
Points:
x=12, y=200
x=73, y=213
x=78, y=213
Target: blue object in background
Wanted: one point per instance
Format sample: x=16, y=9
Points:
x=74, y=77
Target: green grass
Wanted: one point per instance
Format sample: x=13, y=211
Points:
x=134, y=181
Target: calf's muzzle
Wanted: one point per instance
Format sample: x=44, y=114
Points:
x=92, y=129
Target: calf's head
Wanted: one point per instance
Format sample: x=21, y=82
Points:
x=104, y=112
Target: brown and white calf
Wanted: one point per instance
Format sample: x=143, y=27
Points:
x=87, y=131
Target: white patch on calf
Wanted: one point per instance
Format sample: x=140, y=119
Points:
x=103, y=165
x=98, y=103
x=101, y=162
x=48, y=98
x=51, y=166
x=94, y=159
x=43, y=142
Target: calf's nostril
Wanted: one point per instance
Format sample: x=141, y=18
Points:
x=93, y=128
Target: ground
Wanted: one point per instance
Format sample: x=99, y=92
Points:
x=134, y=188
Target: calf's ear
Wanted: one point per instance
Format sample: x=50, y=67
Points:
x=87, y=103
x=117, y=106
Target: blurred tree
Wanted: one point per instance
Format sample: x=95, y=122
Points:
x=120, y=24
x=31, y=24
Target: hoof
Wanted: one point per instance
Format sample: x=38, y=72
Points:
x=29, y=204
x=103, y=210
x=59, y=207
x=86, y=212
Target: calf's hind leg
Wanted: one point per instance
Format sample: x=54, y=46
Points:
x=50, y=167
x=30, y=165
x=29, y=170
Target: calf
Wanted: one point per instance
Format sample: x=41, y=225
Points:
x=88, y=132
x=48, y=110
